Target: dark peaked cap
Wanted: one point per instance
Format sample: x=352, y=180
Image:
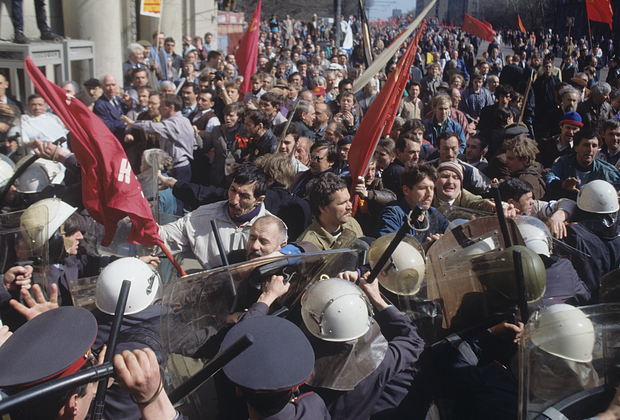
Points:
x=280, y=359
x=52, y=345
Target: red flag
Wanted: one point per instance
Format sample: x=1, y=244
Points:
x=404, y=67
x=477, y=28
x=374, y=121
x=247, y=54
x=600, y=11
x=520, y=23
x=451, y=25
x=110, y=190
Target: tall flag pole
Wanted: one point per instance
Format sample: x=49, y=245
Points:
x=382, y=59
x=368, y=55
x=381, y=113
x=247, y=54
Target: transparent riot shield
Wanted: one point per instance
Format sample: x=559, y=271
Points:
x=568, y=362
x=150, y=189
x=120, y=247
x=466, y=270
x=610, y=287
x=23, y=240
x=198, y=309
x=83, y=292
x=459, y=215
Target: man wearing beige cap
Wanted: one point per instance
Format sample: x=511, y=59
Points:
x=448, y=189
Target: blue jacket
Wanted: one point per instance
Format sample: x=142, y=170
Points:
x=564, y=168
x=395, y=214
x=110, y=116
x=431, y=134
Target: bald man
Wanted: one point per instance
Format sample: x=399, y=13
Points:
x=109, y=107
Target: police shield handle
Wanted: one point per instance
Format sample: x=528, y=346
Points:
x=501, y=216
x=121, y=303
x=210, y=368
x=406, y=227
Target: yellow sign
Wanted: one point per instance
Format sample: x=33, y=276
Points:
x=150, y=8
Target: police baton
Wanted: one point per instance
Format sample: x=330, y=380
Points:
x=224, y=258
x=99, y=402
x=499, y=209
x=220, y=244
x=400, y=235
x=57, y=386
x=210, y=368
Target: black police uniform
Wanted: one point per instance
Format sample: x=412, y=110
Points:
x=405, y=346
x=602, y=244
x=138, y=331
x=286, y=370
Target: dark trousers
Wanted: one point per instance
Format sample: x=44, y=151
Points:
x=17, y=15
x=181, y=173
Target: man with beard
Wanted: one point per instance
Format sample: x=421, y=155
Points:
x=235, y=218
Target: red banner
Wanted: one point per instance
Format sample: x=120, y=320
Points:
x=600, y=11
x=475, y=27
x=247, y=54
x=383, y=108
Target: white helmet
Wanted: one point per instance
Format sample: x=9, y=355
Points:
x=598, y=196
x=564, y=331
x=33, y=180
x=144, y=288
x=404, y=271
x=535, y=234
x=6, y=170
x=336, y=310
x=32, y=222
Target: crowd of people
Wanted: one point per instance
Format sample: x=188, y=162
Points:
x=270, y=166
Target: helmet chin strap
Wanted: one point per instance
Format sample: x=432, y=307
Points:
x=68, y=243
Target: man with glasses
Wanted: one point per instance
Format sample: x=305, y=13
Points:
x=175, y=59
x=323, y=155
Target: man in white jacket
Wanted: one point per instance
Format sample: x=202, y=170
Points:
x=234, y=217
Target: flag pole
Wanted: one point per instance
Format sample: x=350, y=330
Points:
x=174, y=262
x=590, y=31
x=161, y=8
